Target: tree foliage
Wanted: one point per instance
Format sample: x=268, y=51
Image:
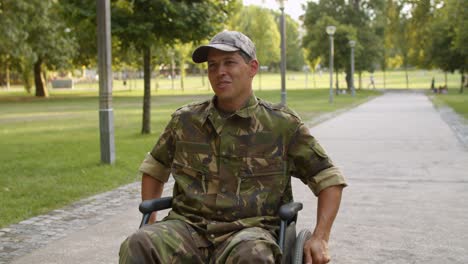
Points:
x=263, y=26
x=13, y=48
x=389, y=33
x=294, y=52
x=38, y=40
x=447, y=47
x=80, y=17
x=344, y=17
x=146, y=24
x=259, y=24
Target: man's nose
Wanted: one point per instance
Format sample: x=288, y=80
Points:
x=221, y=70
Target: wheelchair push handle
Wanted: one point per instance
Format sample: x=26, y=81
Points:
x=288, y=212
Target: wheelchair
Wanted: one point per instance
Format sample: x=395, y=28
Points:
x=290, y=244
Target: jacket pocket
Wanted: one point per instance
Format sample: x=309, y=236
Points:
x=261, y=187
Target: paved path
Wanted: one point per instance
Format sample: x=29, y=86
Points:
x=407, y=201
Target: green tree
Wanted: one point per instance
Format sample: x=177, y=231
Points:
x=422, y=15
x=364, y=17
x=31, y=41
x=353, y=20
x=449, y=30
x=390, y=16
x=80, y=17
x=259, y=24
x=37, y=40
x=49, y=40
x=461, y=37
x=318, y=45
x=184, y=52
x=12, y=46
x=398, y=35
x=294, y=51
x=149, y=24
x=380, y=26
x=403, y=38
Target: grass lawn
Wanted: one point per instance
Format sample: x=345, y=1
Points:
x=394, y=79
x=454, y=99
x=51, y=151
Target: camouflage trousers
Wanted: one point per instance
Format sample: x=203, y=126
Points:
x=173, y=241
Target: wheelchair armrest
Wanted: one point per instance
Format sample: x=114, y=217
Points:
x=288, y=212
x=149, y=206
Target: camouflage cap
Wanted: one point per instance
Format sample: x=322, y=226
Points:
x=226, y=41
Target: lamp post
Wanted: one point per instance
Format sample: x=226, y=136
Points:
x=331, y=31
x=106, y=114
x=283, y=53
x=352, y=44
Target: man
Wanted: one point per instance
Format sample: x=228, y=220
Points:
x=232, y=158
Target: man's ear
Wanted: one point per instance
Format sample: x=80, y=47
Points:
x=254, y=66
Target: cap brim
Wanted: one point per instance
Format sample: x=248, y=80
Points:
x=201, y=53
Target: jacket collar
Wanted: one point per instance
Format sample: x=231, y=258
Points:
x=245, y=112
x=213, y=114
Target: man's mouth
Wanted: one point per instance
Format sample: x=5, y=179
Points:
x=223, y=84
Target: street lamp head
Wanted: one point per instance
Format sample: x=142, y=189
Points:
x=281, y=3
x=352, y=43
x=331, y=30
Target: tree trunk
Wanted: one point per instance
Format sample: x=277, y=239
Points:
x=202, y=78
x=172, y=70
x=314, y=73
x=462, y=84
x=182, y=71
x=356, y=4
x=348, y=80
x=156, y=80
x=406, y=75
x=146, y=127
x=360, y=80
x=39, y=82
x=7, y=73
x=384, y=79
x=27, y=80
x=337, y=85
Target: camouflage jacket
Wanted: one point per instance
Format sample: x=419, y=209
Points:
x=234, y=172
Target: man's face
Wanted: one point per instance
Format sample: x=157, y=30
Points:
x=230, y=77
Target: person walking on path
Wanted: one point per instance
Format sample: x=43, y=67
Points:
x=371, y=82
x=232, y=158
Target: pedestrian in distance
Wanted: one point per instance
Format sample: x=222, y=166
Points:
x=372, y=82
x=232, y=158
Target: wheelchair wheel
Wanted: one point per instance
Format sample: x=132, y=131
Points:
x=298, y=253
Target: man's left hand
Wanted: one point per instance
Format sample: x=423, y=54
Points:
x=316, y=251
